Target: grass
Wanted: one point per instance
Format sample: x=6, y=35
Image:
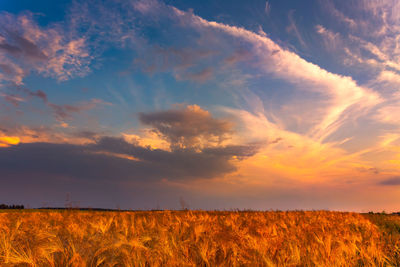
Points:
x=197, y=238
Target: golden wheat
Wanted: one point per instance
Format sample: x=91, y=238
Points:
x=190, y=238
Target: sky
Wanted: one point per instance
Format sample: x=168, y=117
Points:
x=151, y=104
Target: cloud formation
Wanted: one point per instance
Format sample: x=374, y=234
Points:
x=113, y=159
x=26, y=46
x=189, y=127
x=196, y=150
x=61, y=112
x=394, y=181
x=182, y=62
x=344, y=94
x=6, y=141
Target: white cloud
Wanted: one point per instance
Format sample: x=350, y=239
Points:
x=331, y=40
x=389, y=76
x=267, y=8
x=343, y=93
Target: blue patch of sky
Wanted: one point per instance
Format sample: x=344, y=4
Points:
x=47, y=11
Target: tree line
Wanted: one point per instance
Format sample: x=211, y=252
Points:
x=4, y=206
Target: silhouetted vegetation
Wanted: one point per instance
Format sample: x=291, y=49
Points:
x=82, y=209
x=13, y=207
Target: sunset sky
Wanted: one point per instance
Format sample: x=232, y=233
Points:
x=219, y=104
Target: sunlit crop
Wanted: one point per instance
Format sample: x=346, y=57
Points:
x=189, y=238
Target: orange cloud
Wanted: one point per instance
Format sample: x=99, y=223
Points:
x=288, y=157
x=147, y=138
x=6, y=141
x=189, y=127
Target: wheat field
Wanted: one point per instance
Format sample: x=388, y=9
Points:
x=196, y=238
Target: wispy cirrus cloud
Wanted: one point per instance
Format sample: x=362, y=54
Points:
x=267, y=8
x=61, y=112
x=182, y=62
x=293, y=29
x=343, y=98
x=371, y=42
x=293, y=156
x=332, y=40
x=343, y=92
x=13, y=99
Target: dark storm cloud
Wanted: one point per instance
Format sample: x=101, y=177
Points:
x=187, y=127
x=106, y=160
x=394, y=181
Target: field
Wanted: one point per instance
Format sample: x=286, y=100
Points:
x=198, y=238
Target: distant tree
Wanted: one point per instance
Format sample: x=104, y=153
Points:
x=4, y=206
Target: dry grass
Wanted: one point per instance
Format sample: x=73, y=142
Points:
x=188, y=238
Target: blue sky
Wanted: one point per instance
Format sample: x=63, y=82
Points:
x=228, y=104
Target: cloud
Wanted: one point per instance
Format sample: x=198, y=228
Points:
x=196, y=150
x=183, y=62
x=200, y=76
x=338, y=14
x=332, y=41
x=61, y=112
x=287, y=157
x=394, y=181
x=10, y=72
x=239, y=55
x=370, y=37
x=292, y=28
x=113, y=159
x=13, y=99
x=388, y=114
x=267, y=8
x=22, y=47
x=6, y=141
x=146, y=6
x=345, y=97
x=387, y=76
x=370, y=45
x=39, y=93
x=51, y=50
x=64, y=112
x=46, y=134
x=190, y=127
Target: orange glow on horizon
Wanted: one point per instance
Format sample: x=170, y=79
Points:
x=6, y=141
